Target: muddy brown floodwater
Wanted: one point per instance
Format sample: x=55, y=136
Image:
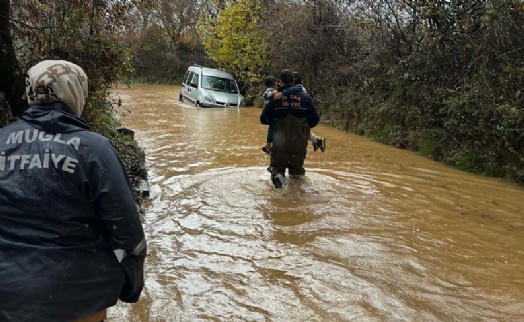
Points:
x=372, y=233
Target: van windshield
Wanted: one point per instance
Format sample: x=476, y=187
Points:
x=219, y=84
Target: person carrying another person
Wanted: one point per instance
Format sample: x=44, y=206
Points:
x=71, y=240
x=318, y=142
x=292, y=116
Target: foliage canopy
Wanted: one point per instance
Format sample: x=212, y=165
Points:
x=233, y=40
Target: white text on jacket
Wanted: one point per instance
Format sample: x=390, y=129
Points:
x=43, y=160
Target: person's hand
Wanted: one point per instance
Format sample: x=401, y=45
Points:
x=277, y=95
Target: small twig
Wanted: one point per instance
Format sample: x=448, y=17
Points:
x=509, y=52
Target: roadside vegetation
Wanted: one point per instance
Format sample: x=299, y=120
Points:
x=86, y=33
x=443, y=78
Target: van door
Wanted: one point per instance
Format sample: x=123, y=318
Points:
x=186, y=85
x=193, y=87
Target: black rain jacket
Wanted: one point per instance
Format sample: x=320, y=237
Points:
x=66, y=205
x=297, y=104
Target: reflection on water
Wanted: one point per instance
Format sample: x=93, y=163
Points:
x=372, y=233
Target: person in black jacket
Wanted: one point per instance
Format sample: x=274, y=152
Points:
x=293, y=116
x=71, y=240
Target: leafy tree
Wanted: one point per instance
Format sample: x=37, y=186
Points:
x=232, y=39
x=86, y=33
x=179, y=19
x=167, y=42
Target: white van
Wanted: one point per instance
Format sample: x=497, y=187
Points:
x=208, y=87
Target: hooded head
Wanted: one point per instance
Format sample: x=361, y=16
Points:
x=57, y=80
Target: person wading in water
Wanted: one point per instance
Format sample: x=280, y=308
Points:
x=293, y=116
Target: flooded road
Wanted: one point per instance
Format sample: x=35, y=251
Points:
x=372, y=233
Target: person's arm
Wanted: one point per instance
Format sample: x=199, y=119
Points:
x=115, y=205
x=289, y=91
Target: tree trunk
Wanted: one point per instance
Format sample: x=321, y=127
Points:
x=11, y=81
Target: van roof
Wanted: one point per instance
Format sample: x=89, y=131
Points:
x=214, y=72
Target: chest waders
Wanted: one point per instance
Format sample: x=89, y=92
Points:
x=290, y=138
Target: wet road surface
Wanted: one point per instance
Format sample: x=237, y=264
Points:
x=372, y=233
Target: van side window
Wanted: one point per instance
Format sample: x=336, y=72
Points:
x=185, y=77
x=187, y=81
x=194, y=82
